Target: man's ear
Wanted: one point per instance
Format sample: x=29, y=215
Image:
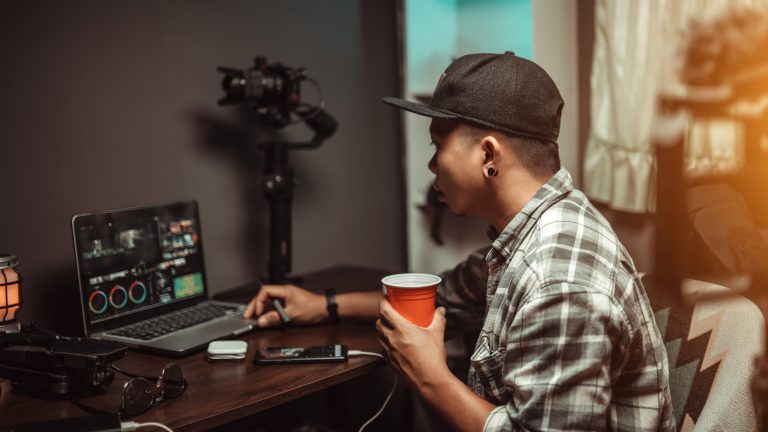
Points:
x=491, y=148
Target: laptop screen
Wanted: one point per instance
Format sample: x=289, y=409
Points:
x=133, y=262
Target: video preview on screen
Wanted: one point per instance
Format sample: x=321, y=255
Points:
x=134, y=260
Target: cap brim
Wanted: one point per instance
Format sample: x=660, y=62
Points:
x=418, y=108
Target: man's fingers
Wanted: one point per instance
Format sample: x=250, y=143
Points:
x=381, y=336
x=250, y=309
x=260, y=300
x=438, y=320
x=381, y=329
x=389, y=315
x=385, y=352
x=269, y=319
x=267, y=292
x=386, y=323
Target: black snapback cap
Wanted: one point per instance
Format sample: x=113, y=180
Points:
x=498, y=91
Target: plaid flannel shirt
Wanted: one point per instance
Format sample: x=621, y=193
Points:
x=568, y=338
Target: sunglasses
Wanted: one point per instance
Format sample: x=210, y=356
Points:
x=139, y=395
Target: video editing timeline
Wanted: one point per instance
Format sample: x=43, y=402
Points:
x=135, y=264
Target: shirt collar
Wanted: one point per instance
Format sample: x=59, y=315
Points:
x=555, y=188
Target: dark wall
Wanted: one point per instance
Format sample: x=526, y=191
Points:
x=113, y=104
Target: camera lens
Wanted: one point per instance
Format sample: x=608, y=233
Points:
x=234, y=87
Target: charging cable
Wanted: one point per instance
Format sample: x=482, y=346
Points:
x=389, y=396
x=132, y=426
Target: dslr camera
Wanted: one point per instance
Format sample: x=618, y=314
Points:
x=274, y=90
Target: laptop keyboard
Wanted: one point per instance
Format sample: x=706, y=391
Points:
x=175, y=321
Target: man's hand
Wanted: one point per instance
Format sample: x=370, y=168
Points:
x=418, y=353
x=302, y=306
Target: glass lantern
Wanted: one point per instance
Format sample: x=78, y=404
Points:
x=10, y=293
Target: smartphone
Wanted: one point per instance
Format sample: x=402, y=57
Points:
x=315, y=354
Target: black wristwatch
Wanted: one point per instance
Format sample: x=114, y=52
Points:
x=332, y=306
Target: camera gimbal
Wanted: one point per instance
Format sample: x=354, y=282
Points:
x=273, y=91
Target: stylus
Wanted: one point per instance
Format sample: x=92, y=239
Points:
x=280, y=311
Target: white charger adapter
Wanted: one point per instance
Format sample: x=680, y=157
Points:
x=227, y=350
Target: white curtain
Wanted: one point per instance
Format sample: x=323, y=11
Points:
x=635, y=54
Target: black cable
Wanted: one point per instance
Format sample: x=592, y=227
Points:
x=132, y=375
x=87, y=408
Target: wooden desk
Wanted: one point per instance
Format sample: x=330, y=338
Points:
x=219, y=393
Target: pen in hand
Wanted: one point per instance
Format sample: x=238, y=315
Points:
x=281, y=311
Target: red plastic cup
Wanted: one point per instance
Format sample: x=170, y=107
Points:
x=412, y=295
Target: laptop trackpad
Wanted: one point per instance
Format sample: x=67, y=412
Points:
x=203, y=334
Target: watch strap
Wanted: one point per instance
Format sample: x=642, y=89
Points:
x=332, y=306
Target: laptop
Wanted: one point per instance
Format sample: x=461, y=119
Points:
x=143, y=283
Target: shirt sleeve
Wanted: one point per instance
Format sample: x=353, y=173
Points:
x=462, y=293
x=556, y=370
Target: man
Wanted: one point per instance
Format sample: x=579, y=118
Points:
x=568, y=340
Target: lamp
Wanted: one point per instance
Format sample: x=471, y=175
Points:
x=10, y=293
